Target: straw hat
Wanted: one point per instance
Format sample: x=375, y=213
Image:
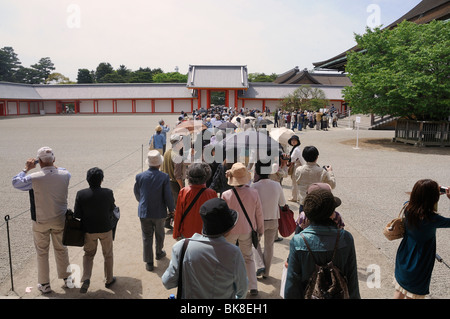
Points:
x=238, y=175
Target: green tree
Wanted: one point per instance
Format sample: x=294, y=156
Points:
x=28, y=75
x=171, y=77
x=261, y=77
x=57, y=78
x=85, y=76
x=144, y=75
x=43, y=69
x=103, y=69
x=9, y=64
x=402, y=72
x=304, y=97
x=114, y=77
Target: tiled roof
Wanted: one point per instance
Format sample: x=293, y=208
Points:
x=278, y=91
x=218, y=76
x=93, y=91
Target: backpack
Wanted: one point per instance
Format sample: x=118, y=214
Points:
x=327, y=281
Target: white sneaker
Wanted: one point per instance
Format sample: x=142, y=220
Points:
x=45, y=288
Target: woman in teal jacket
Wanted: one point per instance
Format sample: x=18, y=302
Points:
x=416, y=253
x=321, y=236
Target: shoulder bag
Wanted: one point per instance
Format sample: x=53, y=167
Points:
x=255, y=239
x=395, y=229
x=180, y=269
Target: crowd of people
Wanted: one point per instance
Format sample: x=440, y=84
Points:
x=302, y=119
x=219, y=218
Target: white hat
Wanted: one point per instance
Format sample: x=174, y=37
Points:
x=154, y=158
x=45, y=154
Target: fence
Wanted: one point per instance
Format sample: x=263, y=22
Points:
x=8, y=218
x=423, y=133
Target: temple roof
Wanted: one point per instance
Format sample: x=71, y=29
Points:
x=295, y=76
x=218, y=76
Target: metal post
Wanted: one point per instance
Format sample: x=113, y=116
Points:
x=439, y=258
x=9, y=250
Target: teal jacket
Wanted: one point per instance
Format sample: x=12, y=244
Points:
x=321, y=240
x=416, y=254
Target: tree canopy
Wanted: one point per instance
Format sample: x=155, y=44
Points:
x=261, y=77
x=306, y=98
x=402, y=71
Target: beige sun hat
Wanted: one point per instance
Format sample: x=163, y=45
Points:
x=238, y=175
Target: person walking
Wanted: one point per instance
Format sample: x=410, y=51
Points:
x=188, y=221
x=152, y=191
x=416, y=253
x=157, y=140
x=212, y=268
x=322, y=236
x=94, y=206
x=239, y=177
x=164, y=129
x=174, y=166
x=50, y=187
x=272, y=197
x=311, y=172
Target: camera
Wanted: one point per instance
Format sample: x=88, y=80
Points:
x=36, y=162
x=325, y=167
x=442, y=189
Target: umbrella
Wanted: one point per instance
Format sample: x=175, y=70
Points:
x=250, y=142
x=188, y=127
x=281, y=134
x=264, y=122
x=233, y=120
x=226, y=125
x=251, y=118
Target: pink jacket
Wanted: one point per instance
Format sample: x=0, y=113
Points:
x=252, y=203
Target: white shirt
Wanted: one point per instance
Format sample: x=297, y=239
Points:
x=271, y=196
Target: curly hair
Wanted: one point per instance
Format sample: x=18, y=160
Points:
x=198, y=173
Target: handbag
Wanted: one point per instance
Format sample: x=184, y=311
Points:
x=73, y=234
x=286, y=222
x=255, y=237
x=151, y=146
x=395, y=229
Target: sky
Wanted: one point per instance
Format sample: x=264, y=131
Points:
x=268, y=36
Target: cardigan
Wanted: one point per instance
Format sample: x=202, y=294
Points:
x=193, y=222
x=416, y=253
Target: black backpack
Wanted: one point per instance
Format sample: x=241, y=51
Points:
x=327, y=281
